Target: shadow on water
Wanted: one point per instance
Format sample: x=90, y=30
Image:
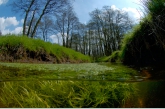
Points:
x=151, y=92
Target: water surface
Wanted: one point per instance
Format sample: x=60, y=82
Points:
x=113, y=87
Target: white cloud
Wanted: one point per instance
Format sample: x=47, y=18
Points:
x=133, y=3
x=56, y=38
x=6, y=23
x=114, y=7
x=137, y=2
x=134, y=13
x=3, y=1
x=17, y=30
x=9, y=21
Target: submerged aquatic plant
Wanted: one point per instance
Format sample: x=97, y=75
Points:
x=64, y=94
x=43, y=85
x=65, y=71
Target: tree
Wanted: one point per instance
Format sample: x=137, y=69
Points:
x=65, y=22
x=0, y=33
x=109, y=26
x=25, y=7
x=45, y=27
x=36, y=9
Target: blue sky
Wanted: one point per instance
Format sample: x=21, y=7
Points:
x=83, y=7
x=11, y=22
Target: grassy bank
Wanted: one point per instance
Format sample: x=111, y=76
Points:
x=24, y=49
x=42, y=85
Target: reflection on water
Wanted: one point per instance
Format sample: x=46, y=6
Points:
x=150, y=95
x=150, y=90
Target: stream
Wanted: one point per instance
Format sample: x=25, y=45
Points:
x=150, y=86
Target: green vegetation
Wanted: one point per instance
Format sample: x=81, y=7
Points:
x=144, y=45
x=61, y=94
x=114, y=57
x=93, y=85
x=22, y=48
x=103, y=59
x=42, y=87
x=135, y=44
x=93, y=71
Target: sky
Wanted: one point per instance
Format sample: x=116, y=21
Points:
x=11, y=22
x=83, y=7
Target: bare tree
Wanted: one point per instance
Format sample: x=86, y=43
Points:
x=45, y=27
x=36, y=9
x=65, y=22
x=24, y=6
x=110, y=25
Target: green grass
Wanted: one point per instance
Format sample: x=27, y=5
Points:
x=55, y=94
x=114, y=57
x=104, y=59
x=39, y=85
x=82, y=71
x=11, y=44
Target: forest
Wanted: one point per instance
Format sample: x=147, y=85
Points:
x=99, y=37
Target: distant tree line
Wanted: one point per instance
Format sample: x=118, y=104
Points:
x=99, y=37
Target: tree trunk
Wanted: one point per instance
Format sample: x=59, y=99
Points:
x=43, y=12
x=26, y=15
x=31, y=21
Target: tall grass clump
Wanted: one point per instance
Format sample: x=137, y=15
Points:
x=139, y=47
x=156, y=9
x=21, y=47
x=144, y=45
x=65, y=94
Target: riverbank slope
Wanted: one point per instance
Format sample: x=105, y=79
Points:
x=24, y=49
